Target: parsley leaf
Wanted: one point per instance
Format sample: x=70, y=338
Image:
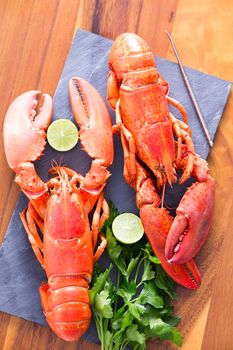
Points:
x=148, y=273
x=136, y=310
x=150, y=255
x=102, y=304
x=98, y=282
x=150, y=296
x=134, y=336
x=114, y=251
x=127, y=289
x=163, y=330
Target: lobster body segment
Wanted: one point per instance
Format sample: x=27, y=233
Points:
x=67, y=238
x=68, y=249
x=146, y=117
x=155, y=142
x=60, y=207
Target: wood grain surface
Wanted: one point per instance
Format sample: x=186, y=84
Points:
x=35, y=37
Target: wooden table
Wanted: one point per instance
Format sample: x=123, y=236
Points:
x=35, y=37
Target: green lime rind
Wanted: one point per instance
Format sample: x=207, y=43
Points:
x=62, y=135
x=127, y=228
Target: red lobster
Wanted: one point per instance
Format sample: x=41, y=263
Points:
x=59, y=208
x=151, y=156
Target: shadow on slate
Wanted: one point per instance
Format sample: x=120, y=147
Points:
x=20, y=272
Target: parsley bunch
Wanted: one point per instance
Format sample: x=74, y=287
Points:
x=137, y=306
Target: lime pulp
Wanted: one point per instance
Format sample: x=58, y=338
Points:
x=62, y=135
x=127, y=228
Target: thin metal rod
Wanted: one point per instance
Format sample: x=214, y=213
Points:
x=199, y=114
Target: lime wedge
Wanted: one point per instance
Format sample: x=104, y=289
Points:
x=127, y=228
x=62, y=135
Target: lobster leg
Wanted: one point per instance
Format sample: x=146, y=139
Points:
x=179, y=106
x=97, y=223
x=112, y=90
x=105, y=214
x=164, y=84
x=98, y=220
x=100, y=248
x=129, y=150
x=28, y=220
x=182, y=132
x=36, y=217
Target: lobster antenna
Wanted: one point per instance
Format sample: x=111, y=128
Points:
x=163, y=193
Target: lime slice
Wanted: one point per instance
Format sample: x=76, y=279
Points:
x=62, y=135
x=127, y=228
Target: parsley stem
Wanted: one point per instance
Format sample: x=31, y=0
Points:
x=138, y=267
x=139, y=284
x=117, y=287
x=124, y=344
x=98, y=323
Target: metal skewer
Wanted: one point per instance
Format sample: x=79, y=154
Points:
x=199, y=114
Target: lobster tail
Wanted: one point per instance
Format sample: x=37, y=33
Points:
x=66, y=305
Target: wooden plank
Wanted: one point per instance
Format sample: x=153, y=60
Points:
x=203, y=33
x=207, y=48
x=218, y=333
x=146, y=18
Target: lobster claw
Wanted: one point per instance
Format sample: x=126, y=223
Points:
x=24, y=131
x=24, y=134
x=156, y=222
x=191, y=225
x=93, y=118
x=95, y=130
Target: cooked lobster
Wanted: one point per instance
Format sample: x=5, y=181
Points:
x=60, y=208
x=155, y=145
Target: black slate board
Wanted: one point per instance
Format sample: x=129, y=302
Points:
x=20, y=272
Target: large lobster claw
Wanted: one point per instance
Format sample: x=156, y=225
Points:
x=91, y=114
x=157, y=222
x=24, y=134
x=24, y=131
x=95, y=129
x=191, y=225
